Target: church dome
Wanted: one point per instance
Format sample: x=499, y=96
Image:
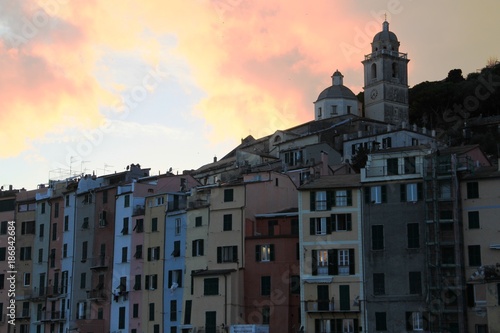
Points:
x=385, y=39
x=337, y=89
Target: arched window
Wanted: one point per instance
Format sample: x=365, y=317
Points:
x=394, y=69
x=374, y=71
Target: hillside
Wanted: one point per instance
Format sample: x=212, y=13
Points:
x=462, y=110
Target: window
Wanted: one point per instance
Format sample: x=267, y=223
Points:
x=386, y=143
x=2, y=282
x=473, y=220
x=138, y=252
x=173, y=310
x=413, y=235
x=411, y=192
x=322, y=265
x=28, y=227
x=56, y=209
x=3, y=228
x=2, y=253
x=377, y=237
x=197, y=248
x=126, y=201
x=376, y=194
x=121, y=318
x=177, y=249
x=295, y=285
x=135, y=310
x=154, y=253
x=334, y=110
x=392, y=166
x=125, y=226
x=472, y=190
x=410, y=164
x=198, y=221
x=41, y=230
x=378, y=283
x=151, y=282
x=52, y=258
x=105, y=196
x=82, y=310
x=341, y=222
x=40, y=255
x=65, y=250
x=154, y=225
x=320, y=225
x=42, y=208
x=227, y=254
x=187, y=312
x=415, y=283
x=344, y=268
x=228, y=195
x=103, y=219
x=474, y=255
x=83, y=277
x=414, y=321
x=84, y=251
x=137, y=282
x=380, y=321
x=343, y=198
x=265, y=285
x=66, y=223
x=228, y=222
x=54, y=231
x=175, y=278
x=151, y=311
x=124, y=254
x=85, y=224
x=448, y=255
x=27, y=279
x=177, y=226
x=139, y=226
x=211, y=286
x=294, y=226
x=264, y=252
x=26, y=253
x=266, y=315
x=320, y=200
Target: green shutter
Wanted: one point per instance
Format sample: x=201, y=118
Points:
x=312, y=226
x=402, y=191
x=314, y=262
x=235, y=253
x=328, y=225
x=367, y=194
x=419, y=191
x=257, y=253
x=272, y=252
x=219, y=254
x=331, y=262
x=349, y=197
x=345, y=299
x=384, y=193
x=349, y=222
x=333, y=222
x=352, y=266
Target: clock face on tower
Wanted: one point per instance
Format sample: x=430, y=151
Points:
x=373, y=93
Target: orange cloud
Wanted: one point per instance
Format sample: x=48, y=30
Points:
x=260, y=63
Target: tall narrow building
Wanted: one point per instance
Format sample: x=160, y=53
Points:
x=386, y=79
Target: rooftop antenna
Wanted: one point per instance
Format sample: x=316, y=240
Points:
x=82, y=170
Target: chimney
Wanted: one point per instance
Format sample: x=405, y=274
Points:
x=215, y=159
x=324, y=163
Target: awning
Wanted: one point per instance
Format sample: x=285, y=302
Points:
x=318, y=279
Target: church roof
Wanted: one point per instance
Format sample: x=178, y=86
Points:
x=336, y=91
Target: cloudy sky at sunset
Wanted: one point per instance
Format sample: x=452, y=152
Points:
x=93, y=86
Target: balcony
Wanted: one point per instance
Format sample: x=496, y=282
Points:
x=100, y=262
x=23, y=314
x=326, y=306
x=382, y=171
x=53, y=316
x=96, y=295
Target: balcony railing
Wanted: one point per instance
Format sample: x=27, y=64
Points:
x=23, y=314
x=387, y=52
x=100, y=262
x=53, y=316
x=399, y=170
x=329, y=306
x=97, y=295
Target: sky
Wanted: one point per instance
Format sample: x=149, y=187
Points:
x=93, y=86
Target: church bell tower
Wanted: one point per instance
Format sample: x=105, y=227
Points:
x=386, y=79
